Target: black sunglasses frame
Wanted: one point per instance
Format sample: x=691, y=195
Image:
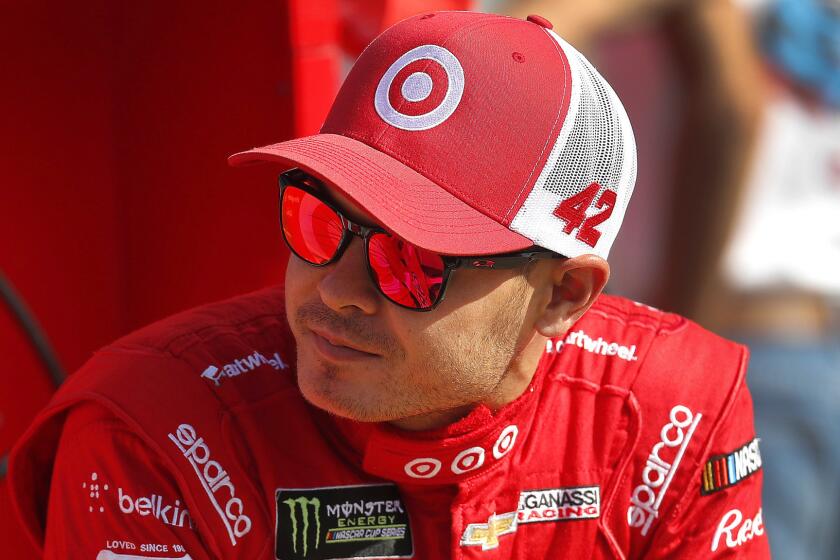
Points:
x=301, y=180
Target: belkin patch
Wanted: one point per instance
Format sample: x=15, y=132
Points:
x=368, y=521
x=723, y=471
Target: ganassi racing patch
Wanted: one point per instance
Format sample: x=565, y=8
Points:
x=723, y=471
x=367, y=521
x=536, y=506
x=559, y=504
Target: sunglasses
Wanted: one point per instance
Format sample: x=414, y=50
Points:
x=407, y=275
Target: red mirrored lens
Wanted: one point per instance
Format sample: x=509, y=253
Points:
x=407, y=274
x=311, y=228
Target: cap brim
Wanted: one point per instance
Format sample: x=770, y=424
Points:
x=401, y=199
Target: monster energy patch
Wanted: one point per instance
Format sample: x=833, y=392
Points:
x=342, y=522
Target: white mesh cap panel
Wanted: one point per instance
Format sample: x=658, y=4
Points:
x=595, y=145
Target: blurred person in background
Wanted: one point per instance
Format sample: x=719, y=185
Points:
x=777, y=286
x=758, y=162
x=712, y=105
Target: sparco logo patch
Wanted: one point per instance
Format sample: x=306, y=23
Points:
x=723, y=471
x=216, y=482
x=242, y=365
x=661, y=466
x=559, y=504
x=342, y=522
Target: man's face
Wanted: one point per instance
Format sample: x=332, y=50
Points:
x=415, y=363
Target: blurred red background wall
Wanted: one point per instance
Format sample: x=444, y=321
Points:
x=117, y=207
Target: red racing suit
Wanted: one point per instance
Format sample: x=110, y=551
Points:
x=189, y=439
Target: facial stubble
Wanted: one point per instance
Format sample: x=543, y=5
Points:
x=466, y=372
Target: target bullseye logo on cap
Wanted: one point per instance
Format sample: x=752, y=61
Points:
x=468, y=460
x=425, y=467
x=421, y=89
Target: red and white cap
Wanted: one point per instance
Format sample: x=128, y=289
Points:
x=474, y=134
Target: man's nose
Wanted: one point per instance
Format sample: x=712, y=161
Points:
x=346, y=283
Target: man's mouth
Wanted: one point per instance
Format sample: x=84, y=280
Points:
x=338, y=348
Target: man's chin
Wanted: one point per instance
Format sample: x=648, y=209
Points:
x=336, y=397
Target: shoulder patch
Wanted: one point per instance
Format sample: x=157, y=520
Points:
x=724, y=471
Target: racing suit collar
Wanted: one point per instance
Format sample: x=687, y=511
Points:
x=480, y=441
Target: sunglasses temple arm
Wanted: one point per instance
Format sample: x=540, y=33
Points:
x=501, y=262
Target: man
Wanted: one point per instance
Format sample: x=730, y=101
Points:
x=440, y=376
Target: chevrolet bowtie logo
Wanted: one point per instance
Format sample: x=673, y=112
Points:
x=487, y=534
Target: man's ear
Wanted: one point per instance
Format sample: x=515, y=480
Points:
x=574, y=285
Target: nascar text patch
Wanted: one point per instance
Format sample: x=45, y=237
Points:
x=723, y=471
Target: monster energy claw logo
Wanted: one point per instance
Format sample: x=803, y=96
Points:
x=304, y=502
x=332, y=522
